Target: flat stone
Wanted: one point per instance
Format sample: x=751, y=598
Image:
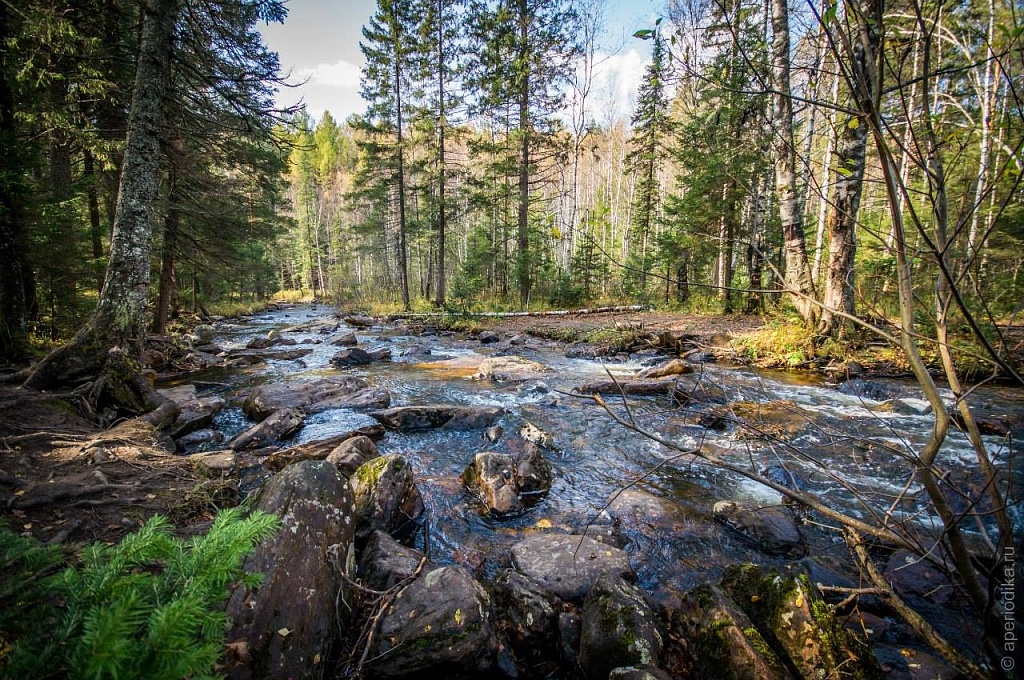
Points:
x=568, y=566
x=314, y=396
x=449, y=416
x=511, y=369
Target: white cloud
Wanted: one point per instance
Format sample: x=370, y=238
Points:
x=340, y=74
x=616, y=79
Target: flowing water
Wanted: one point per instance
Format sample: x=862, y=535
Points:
x=840, y=444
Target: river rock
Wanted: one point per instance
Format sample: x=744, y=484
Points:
x=437, y=627
x=511, y=369
x=355, y=356
x=771, y=528
x=912, y=575
x=204, y=333
x=200, y=438
x=318, y=449
x=492, y=476
x=385, y=562
x=506, y=483
x=619, y=629
x=791, y=615
x=529, y=621
x=263, y=343
x=385, y=496
x=568, y=566
x=359, y=321
x=488, y=337
x=195, y=415
x=637, y=388
x=214, y=461
x=352, y=453
x=671, y=367
x=287, y=625
x=586, y=350
x=278, y=425
x=257, y=355
x=343, y=340
x=724, y=641
x=314, y=396
x=318, y=326
x=404, y=418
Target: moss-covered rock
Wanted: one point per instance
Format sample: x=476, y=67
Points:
x=386, y=496
x=792, y=616
x=619, y=629
x=725, y=645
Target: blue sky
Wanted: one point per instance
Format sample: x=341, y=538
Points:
x=319, y=44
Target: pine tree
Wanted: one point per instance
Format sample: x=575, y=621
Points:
x=387, y=45
x=525, y=53
x=651, y=129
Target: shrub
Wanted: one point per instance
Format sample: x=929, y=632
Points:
x=151, y=606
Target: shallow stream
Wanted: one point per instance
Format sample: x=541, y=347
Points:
x=794, y=427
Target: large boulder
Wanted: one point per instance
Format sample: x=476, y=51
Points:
x=314, y=396
x=508, y=484
x=386, y=496
x=354, y=356
x=277, y=426
x=724, y=642
x=792, y=616
x=568, y=566
x=528, y=620
x=439, y=626
x=511, y=369
x=771, y=528
x=286, y=627
x=619, y=629
x=450, y=416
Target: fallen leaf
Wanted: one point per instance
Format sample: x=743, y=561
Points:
x=284, y=632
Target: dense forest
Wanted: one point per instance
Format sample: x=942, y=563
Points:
x=852, y=167
x=822, y=152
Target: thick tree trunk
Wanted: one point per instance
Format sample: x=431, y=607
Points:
x=798, y=271
x=108, y=347
x=838, y=299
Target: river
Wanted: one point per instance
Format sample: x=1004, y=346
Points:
x=847, y=446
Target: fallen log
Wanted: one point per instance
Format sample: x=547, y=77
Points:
x=637, y=388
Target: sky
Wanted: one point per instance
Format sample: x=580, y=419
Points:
x=318, y=45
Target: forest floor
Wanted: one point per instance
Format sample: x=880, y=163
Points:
x=64, y=479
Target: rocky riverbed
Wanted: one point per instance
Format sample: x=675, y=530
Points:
x=462, y=505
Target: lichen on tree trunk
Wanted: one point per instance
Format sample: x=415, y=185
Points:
x=107, y=349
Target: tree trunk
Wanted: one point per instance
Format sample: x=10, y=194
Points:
x=442, y=161
x=798, y=272
x=403, y=267
x=171, y=225
x=95, y=225
x=523, y=234
x=109, y=346
x=838, y=297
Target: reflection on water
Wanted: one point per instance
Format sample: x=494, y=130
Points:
x=849, y=449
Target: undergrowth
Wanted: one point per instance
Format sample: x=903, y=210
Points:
x=151, y=606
